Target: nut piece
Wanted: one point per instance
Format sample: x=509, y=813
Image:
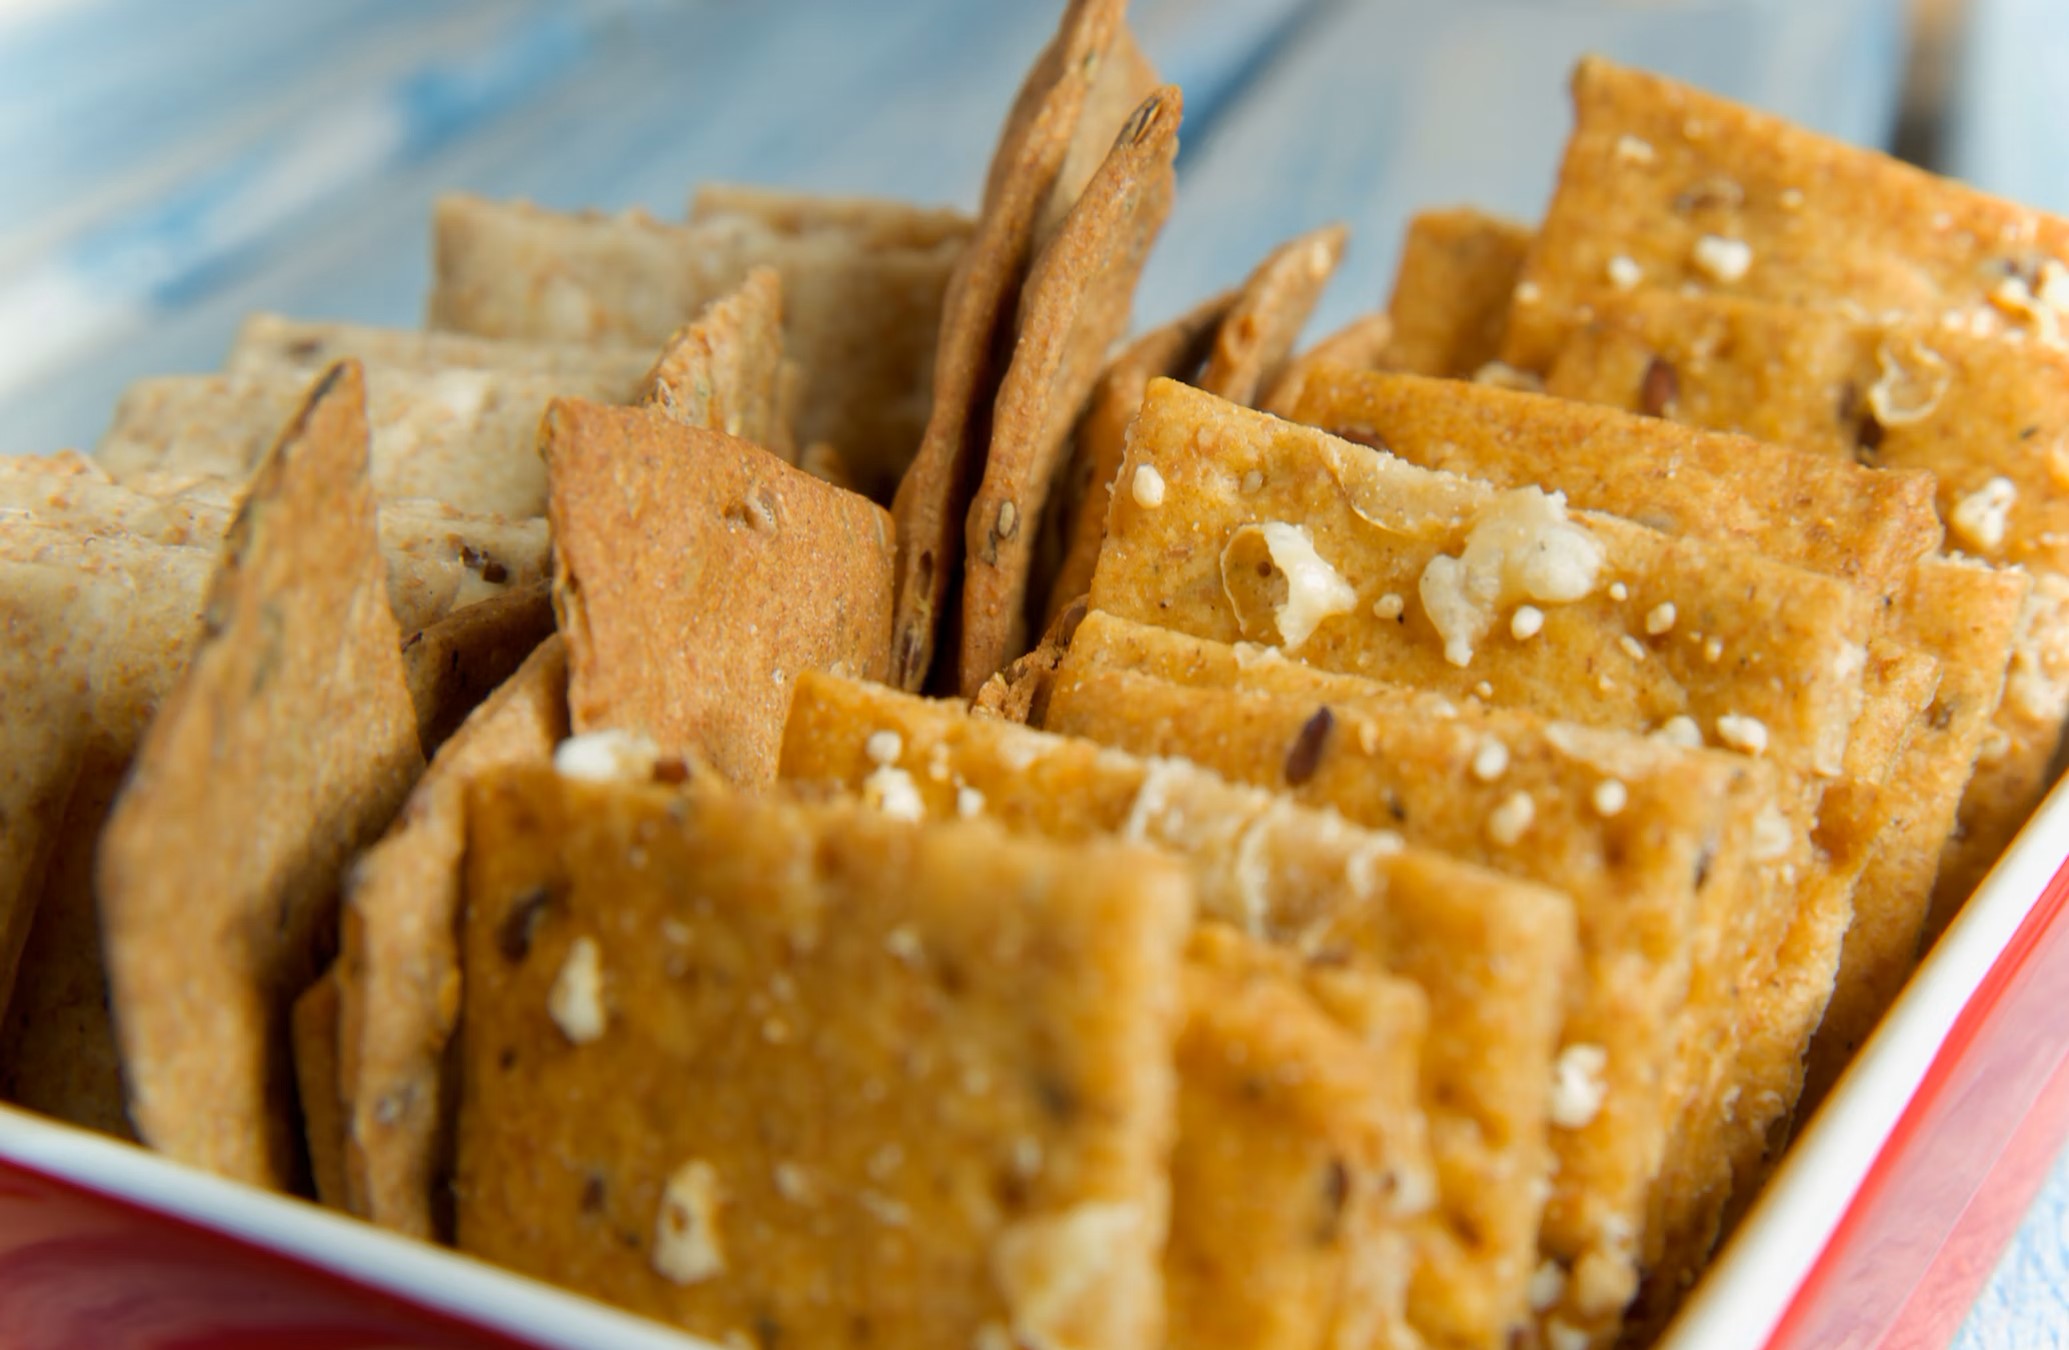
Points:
x=686, y=1246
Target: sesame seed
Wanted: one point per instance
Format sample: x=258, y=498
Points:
x=1147, y=487
x=1631, y=647
x=1388, y=606
x=1507, y=823
x=1723, y=259
x=1660, y=619
x=1611, y=796
x=1527, y=622
x=1491, y=760
x=1747, y=735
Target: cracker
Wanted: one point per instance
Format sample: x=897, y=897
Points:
x=859, y=318
x=1175, y=350
x=1212, y=559
x=933, y=1064
x=1674, y=909
x=1491, y=954
x=1073, y=305
x=1271, y=307
x=1450, y=304
x=455, y=663
x=1122, y=78
x=315, y=1033
x=726, y=370
x=460, y=436
x=877, y=221
x=1825, y=514
x=1288, y=1188
x=287, y=745
x=697, y=575
x=1359, y=344
x=1020, y=692
x=398, y=970
x=976, y=324
x=271, y=341
x=1654, y=168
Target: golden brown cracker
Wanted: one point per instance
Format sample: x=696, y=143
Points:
x=977, y=317
x=1020, y=692
x=398, y=970
x=1691, y=190
x=1491, y=954
x=1271, y=307
x=1359, y=344
x=272, y=341
x=697, y=575
x=1811, y=510
x=288, y=744
x=878, y=221
x=1450, y=303
x=936, y=1066
x=1414, y=762
x=1074, y=303
x=725, y=370
x=860, y=318
x=1175, y=350
x=455, y=663
x=1288, y=1193
x=315, y=1033
x=1433, y=569
x=1122, y=78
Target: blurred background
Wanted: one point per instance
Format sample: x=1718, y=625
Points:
x=167, y=168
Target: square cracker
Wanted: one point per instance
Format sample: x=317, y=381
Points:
x=1825, y=514
x=398, y=969
x=867, y=1083
x=697, y=575
x=859, y=318
x=1291, y=1190
x=878, y=222
x=287, y=745
x=1246, y=497
x=1450, y=304
x=1491, y=954
x=977, y=318
x=726, y=370
x=1073, y=305
x=1654, y=169
x=1674, y=910
x=272, y=341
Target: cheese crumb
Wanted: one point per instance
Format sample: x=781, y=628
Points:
x=1979, y=519
x=1389, y=606
x=1313, y=589
x=1577, y=1085
x=891, y=790
x=1748, y=735
x=1911, y=384
x=1071, y=1269
x=883, y=747
x=1723, y=259
x=1660, y=619
x=1506, y=823
x=1560, y=1336
x=1681, y=730
x=686, y=1246
x=1491, y=760
x=969, y=802
x=1547, y=1286
x=1147, y=487
x=575, y=1003
x=1631, y=647
x=1522, y=546
x=1633, y=150
x=1526, y=623
x=1611, y=796
x=606, y=756
x=1619, y=592
x=793, y=1183
x=1625, y=274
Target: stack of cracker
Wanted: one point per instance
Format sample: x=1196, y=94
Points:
x=773, y=770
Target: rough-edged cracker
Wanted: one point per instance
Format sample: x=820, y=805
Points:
x=1403, y=760
x=1492, y=954
x=315, y=1033
x=877, y=221
x=1655, y=168
x=725, y=369
x=271, y=341
x=1450, y=304
x=1811, y=510
x=453, y=664
x=933, y=1087
x=1359, y=344
x=398, y=971
x=859, y=318
x=698, y=575
x=1122, y=78
x=977, y=317
x=288, y=744
x=1271, y=307
x=1074, y=303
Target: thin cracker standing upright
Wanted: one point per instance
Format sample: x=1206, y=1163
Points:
x=726, y=370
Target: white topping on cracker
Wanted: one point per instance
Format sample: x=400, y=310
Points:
x=1578, y=1086
x=1912, y=382
x=686, y=1244
x=1526, y=623
x=1660, y=618
x=1313, y=590
x=1624, y=274
x=1619, y=592
x=883, y=747
x=1389, y=606
x=891, y=790
x=1527, y=293
x=1723, y=259
x=1633, y=149
x=608, y=756
x=1772, y=834
x=1507, y=823
x=1747, y=735
x=1491, y=760
x=575, y=1002
x=1610, y=797
x=1067, y=1270
x=1522, y=546
x=1631, y=647
x=1547, y=1286
x=1147, y=487
x=969, y=802
x=1680, y=730
x=1979, y=519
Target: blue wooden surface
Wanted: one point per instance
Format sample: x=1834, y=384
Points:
x=170, y=167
